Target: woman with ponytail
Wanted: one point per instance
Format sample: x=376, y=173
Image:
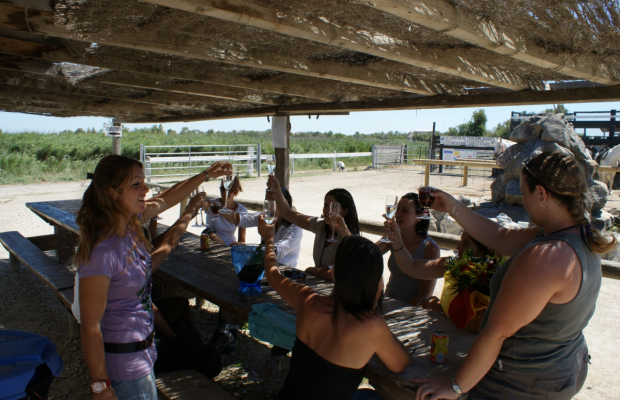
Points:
x=531, y=343
x=115, y=264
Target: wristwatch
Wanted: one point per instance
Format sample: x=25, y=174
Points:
x=99, y=386
x=456, y=388
x=207, y=174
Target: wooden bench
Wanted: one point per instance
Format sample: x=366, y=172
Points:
x=57, y=276
x=189, y=385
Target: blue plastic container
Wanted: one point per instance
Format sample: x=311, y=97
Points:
x=22, y=356
x=249, y=266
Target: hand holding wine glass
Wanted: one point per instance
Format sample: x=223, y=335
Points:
x=391, y=203
x=426, y=200
x=227, y=182
x=271, y=167
x=334, y=210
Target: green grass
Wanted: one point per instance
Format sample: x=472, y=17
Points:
x=67, y=156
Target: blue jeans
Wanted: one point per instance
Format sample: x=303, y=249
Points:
x=139, y=389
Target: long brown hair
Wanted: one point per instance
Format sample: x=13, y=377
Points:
x=98, y=215
x=565, y=180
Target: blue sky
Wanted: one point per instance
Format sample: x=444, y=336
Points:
x=363, y=122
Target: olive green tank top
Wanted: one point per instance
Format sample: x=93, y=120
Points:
x=553, y=339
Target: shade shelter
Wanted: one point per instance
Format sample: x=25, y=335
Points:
x=186, y=60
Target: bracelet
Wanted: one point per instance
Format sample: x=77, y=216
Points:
x=401, y=247
x=207, y=174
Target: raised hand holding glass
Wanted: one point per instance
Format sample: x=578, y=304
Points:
x=269, y=211
x=334, y=210
x=391, y=203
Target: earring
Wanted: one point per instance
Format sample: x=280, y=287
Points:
x=543, y=203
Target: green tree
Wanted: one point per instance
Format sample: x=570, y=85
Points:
x=501, y=130
x=476, y=127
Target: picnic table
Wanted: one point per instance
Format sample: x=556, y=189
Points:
x=210, y=275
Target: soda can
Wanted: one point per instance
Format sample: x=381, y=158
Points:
x=439, y=347
x=204, y=241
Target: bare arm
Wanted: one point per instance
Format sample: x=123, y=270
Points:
x=183, y=189
x=93, y=297
x=296, y=218
x=506, y=241
x=324, y=273
x=169, y=240
x=428, y=269
x=539, y=275
x=292, y=293
x=390, y=350
x=241, y=235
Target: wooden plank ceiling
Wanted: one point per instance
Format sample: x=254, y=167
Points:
x=186, y=60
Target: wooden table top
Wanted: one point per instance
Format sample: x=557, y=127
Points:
x=210, y=275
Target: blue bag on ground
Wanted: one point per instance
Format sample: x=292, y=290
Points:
x=272, y=325
x=27, y=362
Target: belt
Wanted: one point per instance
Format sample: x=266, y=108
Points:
x=129, y=347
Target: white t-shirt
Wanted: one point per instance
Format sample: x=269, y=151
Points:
x=287, y=239
x=224, y=229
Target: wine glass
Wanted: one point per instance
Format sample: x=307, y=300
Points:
x=391, y=202
x=227, y=181
x=271, y=166
x=269, y=211
x=215, y=207
x=426, y=200
x=334, y=210
x=195, y=192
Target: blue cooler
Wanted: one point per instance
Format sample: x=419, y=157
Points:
x=28, y=364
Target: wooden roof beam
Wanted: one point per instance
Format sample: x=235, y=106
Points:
x=42, y=22
x=226, y=86
x=45, y=111
x=248, y=13
x=70, y=101
x=60, y=83
x=442, y=16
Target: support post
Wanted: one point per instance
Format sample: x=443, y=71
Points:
x=250, y=162
x=334, y=160
x=292, y=166
x=374, y=157
x=14, y=263
x=200, y=302
x=259, y=152
x=282, y=157
x=74, y=327
x=427, y=174
x=63, y=255
x=116, y=146
x=465, y=173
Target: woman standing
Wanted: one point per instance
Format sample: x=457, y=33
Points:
x=338, y=334
x=531, y=343
x=115, y=268
x=417, y=243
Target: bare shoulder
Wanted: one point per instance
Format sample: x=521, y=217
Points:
x=547, y=258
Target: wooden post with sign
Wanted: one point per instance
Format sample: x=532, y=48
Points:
x=280, y=131
x=116, y=132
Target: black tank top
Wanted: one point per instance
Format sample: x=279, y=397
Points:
x=311, y=377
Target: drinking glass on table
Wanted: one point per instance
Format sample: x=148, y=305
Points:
x=391, y=202
x=271, y=166
x=334, y=211
x=269, y=211
x=426, y=200
x=227, y=182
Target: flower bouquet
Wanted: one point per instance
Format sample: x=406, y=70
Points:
x=465, y=294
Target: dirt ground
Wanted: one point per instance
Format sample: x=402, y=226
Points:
x=27, y=304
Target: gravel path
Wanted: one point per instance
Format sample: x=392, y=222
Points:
x=27, y=304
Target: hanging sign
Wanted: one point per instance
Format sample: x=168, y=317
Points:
x=278, y=132
x=114, y=130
